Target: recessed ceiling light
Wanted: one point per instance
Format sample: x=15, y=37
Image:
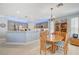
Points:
x=18, y=12
x=26, y=16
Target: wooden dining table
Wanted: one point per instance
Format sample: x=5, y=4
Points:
x=53, y=40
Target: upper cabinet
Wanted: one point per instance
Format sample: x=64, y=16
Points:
x=61, y=26
x=17, y=26
x=44, y=24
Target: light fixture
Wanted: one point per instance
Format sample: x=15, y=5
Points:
x=26, y=16
x=52, y=17
x=51, y=13
x=60, y=4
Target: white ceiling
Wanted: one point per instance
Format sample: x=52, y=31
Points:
x=37, y=10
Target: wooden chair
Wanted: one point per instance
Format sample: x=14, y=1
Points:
x=64, y=35
x=44, y=45
x=63, y=44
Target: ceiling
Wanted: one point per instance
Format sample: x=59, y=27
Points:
x=35, y=11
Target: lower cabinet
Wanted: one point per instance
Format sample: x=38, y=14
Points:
x=74, y=41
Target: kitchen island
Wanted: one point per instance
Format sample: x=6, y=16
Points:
x=21, y=37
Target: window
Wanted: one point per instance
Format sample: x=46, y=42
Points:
x=74, y=25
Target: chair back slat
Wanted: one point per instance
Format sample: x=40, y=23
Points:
x=66, y=39
x=64, y=35
x=43, y=37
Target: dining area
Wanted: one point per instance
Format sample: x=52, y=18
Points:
x=55, y=38
x=52, y=45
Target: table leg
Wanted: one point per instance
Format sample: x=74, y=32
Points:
x=53, y=48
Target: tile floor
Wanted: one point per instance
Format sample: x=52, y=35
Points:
x=31, y=49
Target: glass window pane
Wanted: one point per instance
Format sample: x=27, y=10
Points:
x=74, y=25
